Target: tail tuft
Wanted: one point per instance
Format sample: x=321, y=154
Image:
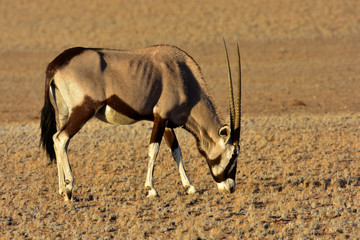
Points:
x=48, y=129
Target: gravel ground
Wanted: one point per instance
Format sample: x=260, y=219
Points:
x=298, y=178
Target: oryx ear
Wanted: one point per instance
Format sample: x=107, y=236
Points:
x=224, y=133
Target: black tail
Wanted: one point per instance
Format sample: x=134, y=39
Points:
x=48, y=126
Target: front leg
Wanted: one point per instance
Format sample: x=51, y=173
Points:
x=152, y=152
x=173, y=144
x=156, y=136
x=188, y=186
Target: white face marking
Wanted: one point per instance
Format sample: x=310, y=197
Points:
x=218, y=169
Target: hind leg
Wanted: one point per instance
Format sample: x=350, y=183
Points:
x=77, y=118
x=62, y=114
x=173, y=144
x=66, y=178
x=62, y=119
x=62, y=142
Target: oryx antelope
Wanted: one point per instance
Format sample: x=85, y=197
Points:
x=160, y=83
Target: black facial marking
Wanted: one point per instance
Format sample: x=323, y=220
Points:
x=226, y=173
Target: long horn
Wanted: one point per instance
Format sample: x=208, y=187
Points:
x=237, y=128
x=231, y=95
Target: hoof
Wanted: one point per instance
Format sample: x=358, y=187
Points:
x=151, y=192
x=190, y=189
x=67, y=195
x=68, y=190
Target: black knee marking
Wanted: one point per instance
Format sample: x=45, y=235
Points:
x=171, y=139
x=158, y=129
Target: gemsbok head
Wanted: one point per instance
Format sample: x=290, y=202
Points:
x=162, y=84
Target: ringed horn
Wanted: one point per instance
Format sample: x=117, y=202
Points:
x=235, y=111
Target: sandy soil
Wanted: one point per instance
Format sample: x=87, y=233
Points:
x=298, y=175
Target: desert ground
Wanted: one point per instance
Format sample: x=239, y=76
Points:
x=298, y=174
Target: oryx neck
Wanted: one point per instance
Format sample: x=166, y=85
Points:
x=204, y=124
